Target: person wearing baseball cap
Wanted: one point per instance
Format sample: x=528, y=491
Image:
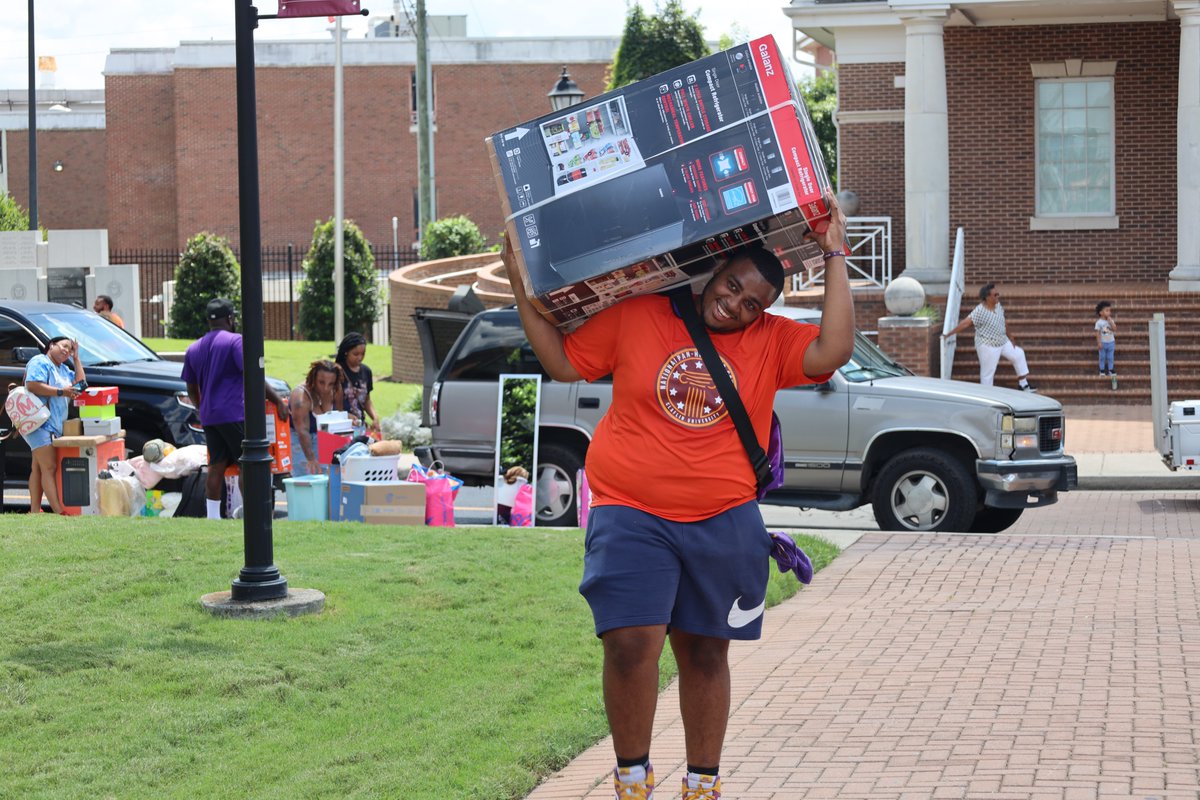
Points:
x=213, y=371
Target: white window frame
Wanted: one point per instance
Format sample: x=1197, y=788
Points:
x=1075, y=71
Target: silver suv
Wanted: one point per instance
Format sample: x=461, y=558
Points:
x=927, y=454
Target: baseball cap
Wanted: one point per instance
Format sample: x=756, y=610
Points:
x=218, y=308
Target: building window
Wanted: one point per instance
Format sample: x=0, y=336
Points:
x=1075, y=162
x=412, y=94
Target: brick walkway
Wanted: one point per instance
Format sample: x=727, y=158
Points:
x=954, y=666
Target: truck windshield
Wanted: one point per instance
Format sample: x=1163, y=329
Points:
x=493, y=345
x=100, y=342
x=868, y=362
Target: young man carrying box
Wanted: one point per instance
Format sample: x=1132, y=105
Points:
x=674, y=549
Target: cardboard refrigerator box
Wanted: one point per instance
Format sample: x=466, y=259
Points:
x=640, y=188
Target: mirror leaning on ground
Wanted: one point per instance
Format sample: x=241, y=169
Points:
x=517, y=404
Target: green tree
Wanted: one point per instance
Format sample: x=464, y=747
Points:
x=451, y=236
x=207, y=270
x=651, y=44
x=737, y=34
x=359, y=283
x=820, y=96
x=12, y=216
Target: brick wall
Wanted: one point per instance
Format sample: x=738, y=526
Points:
x=73, y=198
x=913, y=342
x=870, y=87
x=406, y=294
x=195, y=146
x=991, y=98
x=871, y=161
x=140, y=128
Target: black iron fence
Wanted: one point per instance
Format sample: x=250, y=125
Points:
x=282, y=269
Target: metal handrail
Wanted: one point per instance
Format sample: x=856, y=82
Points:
x=870, y=240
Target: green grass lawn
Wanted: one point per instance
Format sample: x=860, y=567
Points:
x=448, y=663
x=290, y=360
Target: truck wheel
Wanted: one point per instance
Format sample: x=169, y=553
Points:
x=557, y=468
x=924, y=490
x=994, y=520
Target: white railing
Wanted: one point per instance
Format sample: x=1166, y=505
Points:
x=870, y=240
x=953, y=306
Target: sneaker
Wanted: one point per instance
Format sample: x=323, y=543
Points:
x=1029, y=388
x=697, y=787
x=634, y=783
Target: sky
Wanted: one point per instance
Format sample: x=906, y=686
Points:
x=79, y=33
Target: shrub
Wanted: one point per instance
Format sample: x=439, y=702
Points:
x=12, y=216
x=406, y=427
x=207, y=269
x=451, y=236
x=359, y=282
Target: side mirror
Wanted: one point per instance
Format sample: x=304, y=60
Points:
x=23, y=355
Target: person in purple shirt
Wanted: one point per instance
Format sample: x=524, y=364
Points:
x=212, y=369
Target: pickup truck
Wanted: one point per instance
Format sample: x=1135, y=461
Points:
x=926, y=454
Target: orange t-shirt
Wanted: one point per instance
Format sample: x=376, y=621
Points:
x=666, y=446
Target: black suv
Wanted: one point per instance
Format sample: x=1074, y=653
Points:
x=152, y=401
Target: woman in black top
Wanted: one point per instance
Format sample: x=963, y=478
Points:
x=357, y=382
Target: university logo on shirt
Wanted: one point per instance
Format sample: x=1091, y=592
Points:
x=687, y=392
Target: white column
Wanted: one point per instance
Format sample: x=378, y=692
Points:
x=1186, y=275
x=926, y=152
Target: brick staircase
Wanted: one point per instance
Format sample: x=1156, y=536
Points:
x=1054, y=326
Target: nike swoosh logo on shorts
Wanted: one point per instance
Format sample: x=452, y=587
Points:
x=741, y=617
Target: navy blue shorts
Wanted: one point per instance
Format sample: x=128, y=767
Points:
x=708, y=577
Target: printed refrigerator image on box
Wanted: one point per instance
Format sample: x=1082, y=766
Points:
x=642, y=187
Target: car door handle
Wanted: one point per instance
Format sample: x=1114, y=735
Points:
x=589, y=402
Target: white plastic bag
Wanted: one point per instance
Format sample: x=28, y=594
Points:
x=181, y=461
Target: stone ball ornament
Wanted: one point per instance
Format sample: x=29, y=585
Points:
x=904, y=296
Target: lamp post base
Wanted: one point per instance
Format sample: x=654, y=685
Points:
x=294, y=603
x=269, y=588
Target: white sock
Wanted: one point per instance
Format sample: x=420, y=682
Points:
x=1023, y=382
x=214, y=508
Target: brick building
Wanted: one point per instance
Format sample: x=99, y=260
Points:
x=161, y=163
x=1062, y=137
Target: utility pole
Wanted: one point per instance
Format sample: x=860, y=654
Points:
x=339, y=146
x=33, y=202
x=424, y=125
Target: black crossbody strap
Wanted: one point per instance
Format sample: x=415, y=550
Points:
x=682, y=298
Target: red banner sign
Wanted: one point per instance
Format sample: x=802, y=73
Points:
x=319, y=8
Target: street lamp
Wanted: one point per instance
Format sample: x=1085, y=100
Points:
x=565, y=93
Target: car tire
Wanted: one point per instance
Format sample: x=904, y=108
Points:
x=557, y=467
x=924, y=489
x=995, y=520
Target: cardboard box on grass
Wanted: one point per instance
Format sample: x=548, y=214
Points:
x=641, y=188
x=400, y=496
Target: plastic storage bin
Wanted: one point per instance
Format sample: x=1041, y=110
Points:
x=307, y=497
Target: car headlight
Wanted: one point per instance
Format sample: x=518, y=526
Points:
x=1026, y=441
x=185, y=401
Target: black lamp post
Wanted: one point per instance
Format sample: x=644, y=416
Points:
x=565, y=93
x=259, y=579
